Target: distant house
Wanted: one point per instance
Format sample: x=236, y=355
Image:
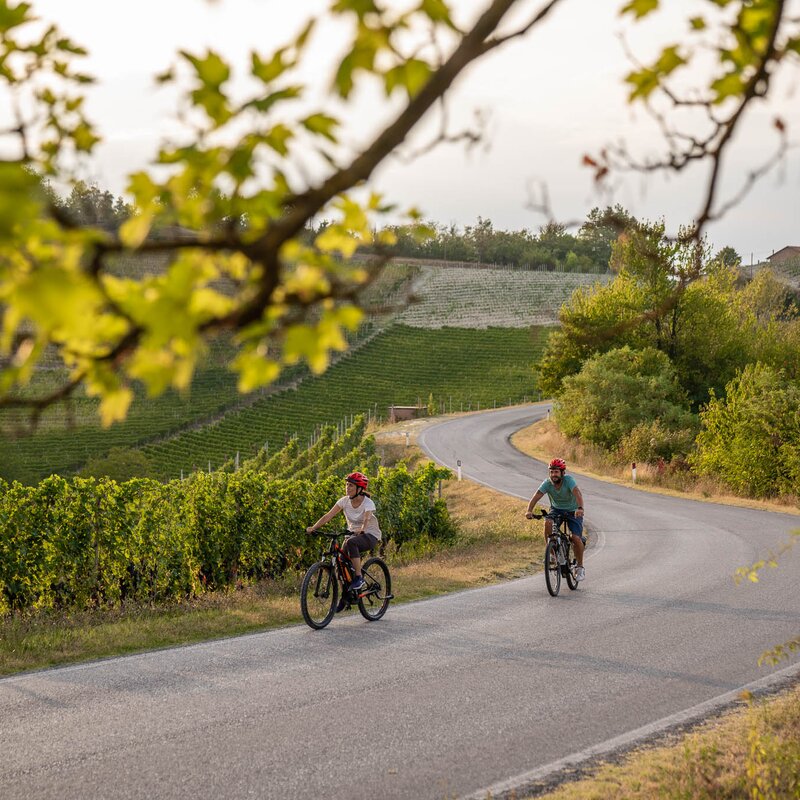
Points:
x=784, y=255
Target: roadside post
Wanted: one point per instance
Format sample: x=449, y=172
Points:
x=633, y=472
x=458, y=464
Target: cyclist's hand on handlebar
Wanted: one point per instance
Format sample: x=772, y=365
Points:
x=311, y=529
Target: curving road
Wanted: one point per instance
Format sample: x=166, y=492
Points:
x=442, y=698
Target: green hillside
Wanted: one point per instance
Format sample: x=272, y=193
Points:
x=461, y=368
x=409, y=361
x=68, y=435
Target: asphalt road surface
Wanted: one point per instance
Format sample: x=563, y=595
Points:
x=441, y=698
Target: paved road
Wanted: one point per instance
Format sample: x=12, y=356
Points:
x=441, y=698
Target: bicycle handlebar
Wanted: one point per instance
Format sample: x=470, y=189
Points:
x=329, y=534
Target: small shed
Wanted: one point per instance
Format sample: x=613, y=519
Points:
x=397, y=413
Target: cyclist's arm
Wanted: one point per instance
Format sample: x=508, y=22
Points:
x=534, y=500
x=579, y=497
x=367, y=516
x=324, y=518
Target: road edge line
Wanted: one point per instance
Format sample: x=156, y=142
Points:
x=528, y=781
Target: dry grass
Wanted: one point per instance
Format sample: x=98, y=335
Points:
x=490, y=548
x=751, y=752
x=543, y=439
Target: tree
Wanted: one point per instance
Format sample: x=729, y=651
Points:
x=618, y=390
x=600, y=231
x=728, y=257
x=668, y=295
x=750, y=436
x=231, y=207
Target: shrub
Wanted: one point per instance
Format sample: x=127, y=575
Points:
x=750, y=438
x=651, y=441
x=618, y=390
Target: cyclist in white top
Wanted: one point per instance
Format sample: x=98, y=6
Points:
x=359, y=511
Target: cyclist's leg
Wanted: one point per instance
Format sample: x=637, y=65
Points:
x=357, y=545
x=575, y=525
x=548, y=529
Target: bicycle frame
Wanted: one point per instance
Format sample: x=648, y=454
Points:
x=342, y=566
x=561, y=531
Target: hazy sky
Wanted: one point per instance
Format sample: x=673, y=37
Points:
x=550, y=98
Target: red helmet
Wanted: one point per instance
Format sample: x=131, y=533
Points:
x=558, y=463
x=358, y=478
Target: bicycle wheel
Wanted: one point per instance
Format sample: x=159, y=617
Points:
x=377, y=593
x=572, y=581
x=318, y=595
x=552, y=572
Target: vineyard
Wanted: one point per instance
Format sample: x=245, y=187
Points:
x=425, y=350
x=459, y=369
x=81, y=542
x=481, y=298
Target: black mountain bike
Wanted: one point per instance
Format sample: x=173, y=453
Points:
x=333, y=573
x=558, y=558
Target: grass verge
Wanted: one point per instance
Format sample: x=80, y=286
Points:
x=543, y=440
x=749, y=752
x=491, y=547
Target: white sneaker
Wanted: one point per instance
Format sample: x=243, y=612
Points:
x=580, y=573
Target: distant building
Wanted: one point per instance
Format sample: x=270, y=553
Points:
x=398, y=413
x=784, y=255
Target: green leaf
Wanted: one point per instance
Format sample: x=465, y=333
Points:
x=264, y=104
x=134, y=231
x=211, y=70
x=255, y=370
x=13, y=16
x=278, y=138
x=412, y=75
x=114, y=406
x=336, y=239
x=437, y=11
x=304, y=342
x=730, y=85
x=267, y=71
x=639, y=8
x=84, y=138
x=359, y=7
x=669, y=60
x=321, y=124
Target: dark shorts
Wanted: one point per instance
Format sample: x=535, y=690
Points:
x=574, y=524
x=358, y=543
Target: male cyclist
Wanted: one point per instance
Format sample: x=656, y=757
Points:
x=359, y=511
x=565, y=496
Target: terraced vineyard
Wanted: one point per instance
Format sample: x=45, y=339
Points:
x=461, y=368
x=429, y=350
x=482, y=298
x=67, y=436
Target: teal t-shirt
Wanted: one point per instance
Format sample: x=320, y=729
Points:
x=562, y=498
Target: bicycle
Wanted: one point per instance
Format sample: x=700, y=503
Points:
x=319, y=592
x=557, y=554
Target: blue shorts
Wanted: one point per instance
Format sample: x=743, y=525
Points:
x=574, y=524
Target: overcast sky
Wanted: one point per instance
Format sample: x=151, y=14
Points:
x=550, y=98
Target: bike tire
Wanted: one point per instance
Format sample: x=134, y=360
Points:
x=552, y=570
x=572, y=581
x=375, y=601
x=318, y=595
